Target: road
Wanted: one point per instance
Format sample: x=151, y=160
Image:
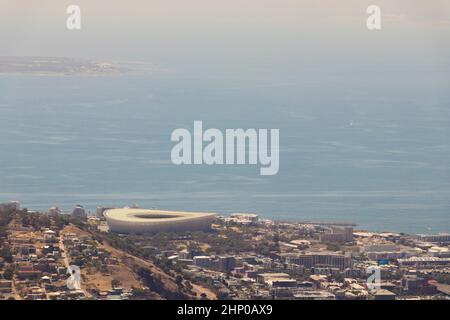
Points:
x=62, y=248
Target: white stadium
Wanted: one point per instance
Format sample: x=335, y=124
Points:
x=152, y=221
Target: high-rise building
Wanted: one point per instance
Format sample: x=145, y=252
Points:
x=11, y=205
x=100, y=211
x=54, y=210
x=227, y=263
x=337, y=235
x=424, y=262
x=313, y=260
x=79, y=212
x=444, y=237
x=202, y=261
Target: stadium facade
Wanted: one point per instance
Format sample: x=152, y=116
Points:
x=140, y=221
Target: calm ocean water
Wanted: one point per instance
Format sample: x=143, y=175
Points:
x=371, y=150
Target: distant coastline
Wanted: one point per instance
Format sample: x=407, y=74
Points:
x=58, y=66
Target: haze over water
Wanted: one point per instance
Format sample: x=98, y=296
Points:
x=364, y=118
x=106, y=141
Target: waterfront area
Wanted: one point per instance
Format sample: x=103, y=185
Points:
x=241, y=256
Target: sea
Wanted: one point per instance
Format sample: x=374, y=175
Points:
x=369, y=148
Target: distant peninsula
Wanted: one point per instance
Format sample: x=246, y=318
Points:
x=58, y=66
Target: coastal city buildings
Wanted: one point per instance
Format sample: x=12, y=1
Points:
x=237, y=257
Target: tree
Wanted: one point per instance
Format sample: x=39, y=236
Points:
x=115, y=283
x=147, y=277
x=222, y=295
x=3, y=232
x=6, y=254
x=9, y=273
x=333, y=247
x=188, y=285
x=179, y=280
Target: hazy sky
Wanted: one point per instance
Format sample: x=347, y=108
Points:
x=194, y=32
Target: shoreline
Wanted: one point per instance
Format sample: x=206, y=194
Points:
x=339, y=223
